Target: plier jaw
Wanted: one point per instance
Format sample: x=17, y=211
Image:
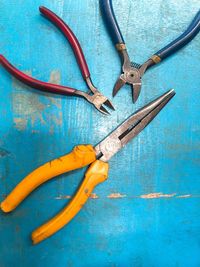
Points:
x=94, y=97
x=131, y=127
x=134, y=81
x=131, y=74
x=97, y=99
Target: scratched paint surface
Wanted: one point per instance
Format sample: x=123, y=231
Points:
x=148, y=212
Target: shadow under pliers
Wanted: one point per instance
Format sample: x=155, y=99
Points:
x=132, y=72
x=93, y=96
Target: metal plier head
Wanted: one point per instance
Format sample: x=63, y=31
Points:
x=95, y=97
x=131, y=127
x=131, y=73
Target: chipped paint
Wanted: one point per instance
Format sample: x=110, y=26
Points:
x=60, y=7
x=20, y=123
x=57, y=118
x=184, y=196
x=116, y=195
x=157, y=195
x=92, y=196
x=28, y=108
x=55, y=101
x=55, y=77
x=25, y=106
x=63, y=197
x=146, y=196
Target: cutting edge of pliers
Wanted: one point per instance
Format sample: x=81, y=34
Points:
x=81, y=156
x=131, y=73
x=94, y=96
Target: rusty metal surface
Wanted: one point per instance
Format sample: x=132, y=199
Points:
x=147, y=213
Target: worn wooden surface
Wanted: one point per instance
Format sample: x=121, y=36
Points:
x=148, y=212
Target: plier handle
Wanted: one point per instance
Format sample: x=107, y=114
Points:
x=81, y=156
x=94, y=96
x=132, y=72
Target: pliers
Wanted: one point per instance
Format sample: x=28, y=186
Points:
x=93, y=96
x=132, y=72
x=81, y=156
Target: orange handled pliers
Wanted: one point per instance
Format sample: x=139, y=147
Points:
x=81, y=156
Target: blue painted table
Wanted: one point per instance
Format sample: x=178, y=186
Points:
x=147, y=213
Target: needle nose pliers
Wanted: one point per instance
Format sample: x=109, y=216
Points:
x=94, y=96
x=81, y=156
x=132, y=72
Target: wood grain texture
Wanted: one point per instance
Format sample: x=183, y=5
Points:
x=147, y=213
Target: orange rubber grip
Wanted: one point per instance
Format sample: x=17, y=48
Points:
x=81, y=156
x=97, y=173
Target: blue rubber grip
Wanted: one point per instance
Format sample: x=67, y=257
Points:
x=111, y=21
x=182, y=40
x=194, y=21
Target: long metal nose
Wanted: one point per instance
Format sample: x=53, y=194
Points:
x=137, y=122
x=131, y=127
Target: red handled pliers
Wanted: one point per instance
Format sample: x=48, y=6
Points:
x=93, y=96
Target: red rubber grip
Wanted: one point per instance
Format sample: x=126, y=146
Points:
x=43, y=86
x=64, y=28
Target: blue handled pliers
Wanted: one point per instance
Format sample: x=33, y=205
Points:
x=132, y=72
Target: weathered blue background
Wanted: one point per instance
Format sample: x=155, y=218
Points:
x=148, y=213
